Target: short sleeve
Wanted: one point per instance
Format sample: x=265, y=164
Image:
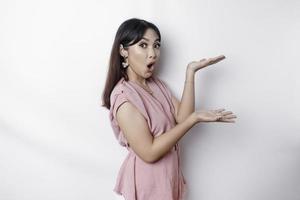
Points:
x=117, y=99
x=121, y=94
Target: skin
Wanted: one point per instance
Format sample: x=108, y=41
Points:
x=134, y=125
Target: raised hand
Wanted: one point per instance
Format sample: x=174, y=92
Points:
x=218, y=115
x=196, y=65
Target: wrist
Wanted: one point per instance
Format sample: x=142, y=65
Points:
x=190, y=70
x=190, y=76
x=188, y=82
x=192, y=118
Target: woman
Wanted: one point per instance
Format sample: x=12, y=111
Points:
x=146, y=118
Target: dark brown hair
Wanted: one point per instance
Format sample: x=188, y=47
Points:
x=129, y=33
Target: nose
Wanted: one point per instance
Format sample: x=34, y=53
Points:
x=152, y=53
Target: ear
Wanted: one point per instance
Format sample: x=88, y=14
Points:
x=123, y=51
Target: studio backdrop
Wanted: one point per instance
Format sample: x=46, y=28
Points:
x=56, y=141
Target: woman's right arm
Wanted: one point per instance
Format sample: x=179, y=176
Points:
x=136, y=131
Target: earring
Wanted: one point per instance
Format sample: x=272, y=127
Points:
x=125, y=64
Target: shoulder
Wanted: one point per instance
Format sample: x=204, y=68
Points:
x=120, y=90
x=117, y=96
x=123, y=95
x=126, y=110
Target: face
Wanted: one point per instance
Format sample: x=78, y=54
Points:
x=143, y=55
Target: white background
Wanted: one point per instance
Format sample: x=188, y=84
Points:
x=55, y=138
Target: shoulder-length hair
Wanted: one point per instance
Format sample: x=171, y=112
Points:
x=129, y=33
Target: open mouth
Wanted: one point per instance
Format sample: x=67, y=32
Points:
x=150, y=66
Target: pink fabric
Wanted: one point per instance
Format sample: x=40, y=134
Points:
x=138, y=180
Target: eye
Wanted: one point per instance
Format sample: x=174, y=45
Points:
x=157, y=45
x=143, y=45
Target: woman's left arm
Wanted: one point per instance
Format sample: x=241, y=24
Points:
x=186, y=106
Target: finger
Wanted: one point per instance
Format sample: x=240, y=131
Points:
x=217, y=59
x=219, y=110
x=227, y=113
x=227, y=120
x=218, y=119
x=229, y=117
x=221, y=57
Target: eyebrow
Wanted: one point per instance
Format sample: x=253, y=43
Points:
x=148, y=39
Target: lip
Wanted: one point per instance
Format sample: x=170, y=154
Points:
x=153, y=62
x=152, y=66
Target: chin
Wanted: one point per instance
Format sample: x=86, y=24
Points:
x=148, y=75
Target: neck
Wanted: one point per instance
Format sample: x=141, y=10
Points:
x=132, y=76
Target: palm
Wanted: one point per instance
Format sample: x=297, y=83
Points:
x=196, y=65
x=215, y=115
x=209, y=116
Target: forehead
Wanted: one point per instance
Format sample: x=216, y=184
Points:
x=150, y=35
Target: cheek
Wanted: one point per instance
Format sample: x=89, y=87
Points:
x=137, y=55
x=158, y=54
x=137, y=58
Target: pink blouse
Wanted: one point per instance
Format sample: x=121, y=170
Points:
x=137, y=179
